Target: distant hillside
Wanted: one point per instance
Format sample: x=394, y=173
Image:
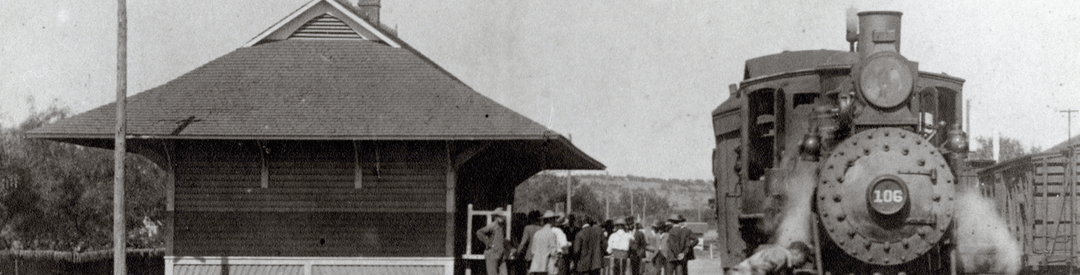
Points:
x=682, y=194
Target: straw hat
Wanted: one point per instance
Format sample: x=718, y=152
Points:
x=658, y=225
x=549, y=214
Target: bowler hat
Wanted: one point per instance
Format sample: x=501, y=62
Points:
x=676, y=218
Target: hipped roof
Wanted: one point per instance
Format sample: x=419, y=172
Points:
x=308, y=89
x=314, y=89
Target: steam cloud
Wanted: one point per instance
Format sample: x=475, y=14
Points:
x=984, y=243
x=793, y=227
x=795, y=218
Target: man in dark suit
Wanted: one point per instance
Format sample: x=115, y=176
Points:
x=637, y=246
x=589, y=246
x=681, y=242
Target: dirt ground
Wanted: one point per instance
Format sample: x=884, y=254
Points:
x=705, y=265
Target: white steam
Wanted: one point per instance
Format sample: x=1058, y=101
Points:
x=795, y=218
x=794, y=226
x=984, y=243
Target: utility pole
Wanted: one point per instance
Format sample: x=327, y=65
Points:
x=569, y=192
x=644, y=208
x=1070, y=176
x=698, y=207
x=569, y=182
x=119, y=234
x=967, y=116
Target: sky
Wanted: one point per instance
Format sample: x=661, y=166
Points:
x=631, y=82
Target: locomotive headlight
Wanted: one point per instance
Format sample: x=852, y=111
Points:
x=885, y=79
x=887, y=195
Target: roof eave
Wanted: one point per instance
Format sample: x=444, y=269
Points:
x=69, y=136
x=105, y=141
x=592, y=164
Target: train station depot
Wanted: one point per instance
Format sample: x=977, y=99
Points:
x=326, y=145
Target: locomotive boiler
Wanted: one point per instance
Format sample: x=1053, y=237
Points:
x=884, y=142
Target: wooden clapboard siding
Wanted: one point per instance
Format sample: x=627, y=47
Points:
x=236, y=172
x=295, y=164
x=313, y=176
x=311, y=205
x=343, y=234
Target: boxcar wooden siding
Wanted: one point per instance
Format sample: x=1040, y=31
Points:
x=323, y=234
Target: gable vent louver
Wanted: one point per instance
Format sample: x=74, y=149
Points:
x=326, y=26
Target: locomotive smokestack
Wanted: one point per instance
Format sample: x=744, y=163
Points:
x=879, y=31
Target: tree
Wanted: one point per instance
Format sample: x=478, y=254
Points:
x=58, y=196
x=542, y=191
x=641, y=204
x=1010, y=148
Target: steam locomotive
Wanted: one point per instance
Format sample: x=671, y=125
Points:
x=883, y=138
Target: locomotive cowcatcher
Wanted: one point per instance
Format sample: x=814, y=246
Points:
x=885, y=142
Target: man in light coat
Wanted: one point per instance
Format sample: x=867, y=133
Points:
x=544, y=247
x=522, y=253
x=654, y=262
x=619, y=247
x=664, y=249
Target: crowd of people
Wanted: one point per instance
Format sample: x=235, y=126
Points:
x=564, y=244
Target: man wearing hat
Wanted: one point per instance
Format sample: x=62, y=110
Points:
x=681, y=242
x=589, y=247
x=544, y=247
x=637, y=245
x=523, y=253
x=494, y=238
x=619, y=246
x=654, y=262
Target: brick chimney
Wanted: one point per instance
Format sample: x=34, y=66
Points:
x=367, y=9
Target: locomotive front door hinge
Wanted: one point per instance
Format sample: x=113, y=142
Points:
x=931, y=221
x=932, y=173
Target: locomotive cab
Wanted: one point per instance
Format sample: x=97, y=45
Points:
x=885, y=142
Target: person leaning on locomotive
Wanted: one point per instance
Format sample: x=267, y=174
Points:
x=773, y=259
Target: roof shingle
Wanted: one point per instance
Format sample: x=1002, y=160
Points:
x=309, y=89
